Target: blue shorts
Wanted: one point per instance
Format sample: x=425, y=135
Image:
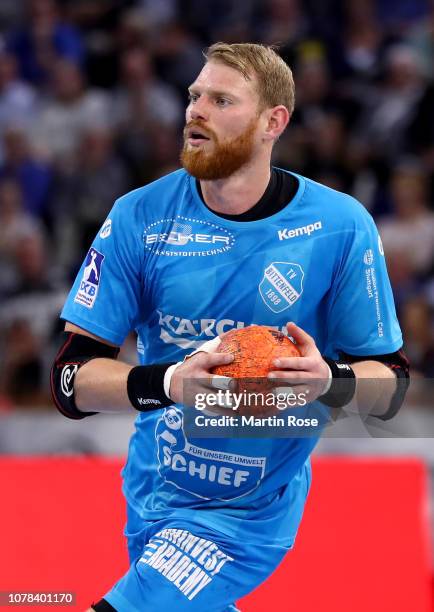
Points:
x=177, y=565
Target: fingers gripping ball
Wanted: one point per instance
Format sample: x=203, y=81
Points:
x=254, y=348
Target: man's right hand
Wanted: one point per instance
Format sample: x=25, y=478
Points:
x=194, y=374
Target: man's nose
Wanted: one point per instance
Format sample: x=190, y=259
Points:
x=199, y=110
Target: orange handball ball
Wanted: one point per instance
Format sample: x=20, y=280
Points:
x=254, y=348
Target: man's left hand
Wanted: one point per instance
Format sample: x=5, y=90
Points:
x=306, y=374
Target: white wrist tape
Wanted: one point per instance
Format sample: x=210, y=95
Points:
x=329, y=381
x=168, y=377
x=207, y=347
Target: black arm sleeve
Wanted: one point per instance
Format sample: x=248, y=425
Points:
x=400, y=365
x=76, y=350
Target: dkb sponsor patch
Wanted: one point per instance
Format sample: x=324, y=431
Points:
x=88, y=288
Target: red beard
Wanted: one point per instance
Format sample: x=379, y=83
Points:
x=226, y=158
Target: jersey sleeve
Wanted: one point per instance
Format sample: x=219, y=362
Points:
x=106, y=296
x=362, y=318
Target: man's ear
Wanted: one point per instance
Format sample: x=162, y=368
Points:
x=277, y=118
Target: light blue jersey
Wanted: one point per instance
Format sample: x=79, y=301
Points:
x=166, y=266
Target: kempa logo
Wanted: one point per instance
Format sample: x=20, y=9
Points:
x=106, y=229
x=143, y=401
x=287, y=234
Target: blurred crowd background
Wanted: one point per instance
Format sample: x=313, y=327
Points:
x=92, y=98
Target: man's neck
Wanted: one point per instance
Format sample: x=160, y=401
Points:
x=239, y=192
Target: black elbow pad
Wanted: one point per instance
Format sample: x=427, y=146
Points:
x=75, y=351
x=402, y=384
x=400, y=365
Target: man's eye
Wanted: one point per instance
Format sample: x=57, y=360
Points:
x=193, y=97
x=222, y=102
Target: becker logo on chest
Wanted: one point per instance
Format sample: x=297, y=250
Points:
x=187, y=237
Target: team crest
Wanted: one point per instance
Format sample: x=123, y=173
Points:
x=88, y=289
x=282, y=285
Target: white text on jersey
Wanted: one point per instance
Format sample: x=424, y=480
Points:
x=287, y=234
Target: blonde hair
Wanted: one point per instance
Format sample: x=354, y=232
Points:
x=275, y=80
